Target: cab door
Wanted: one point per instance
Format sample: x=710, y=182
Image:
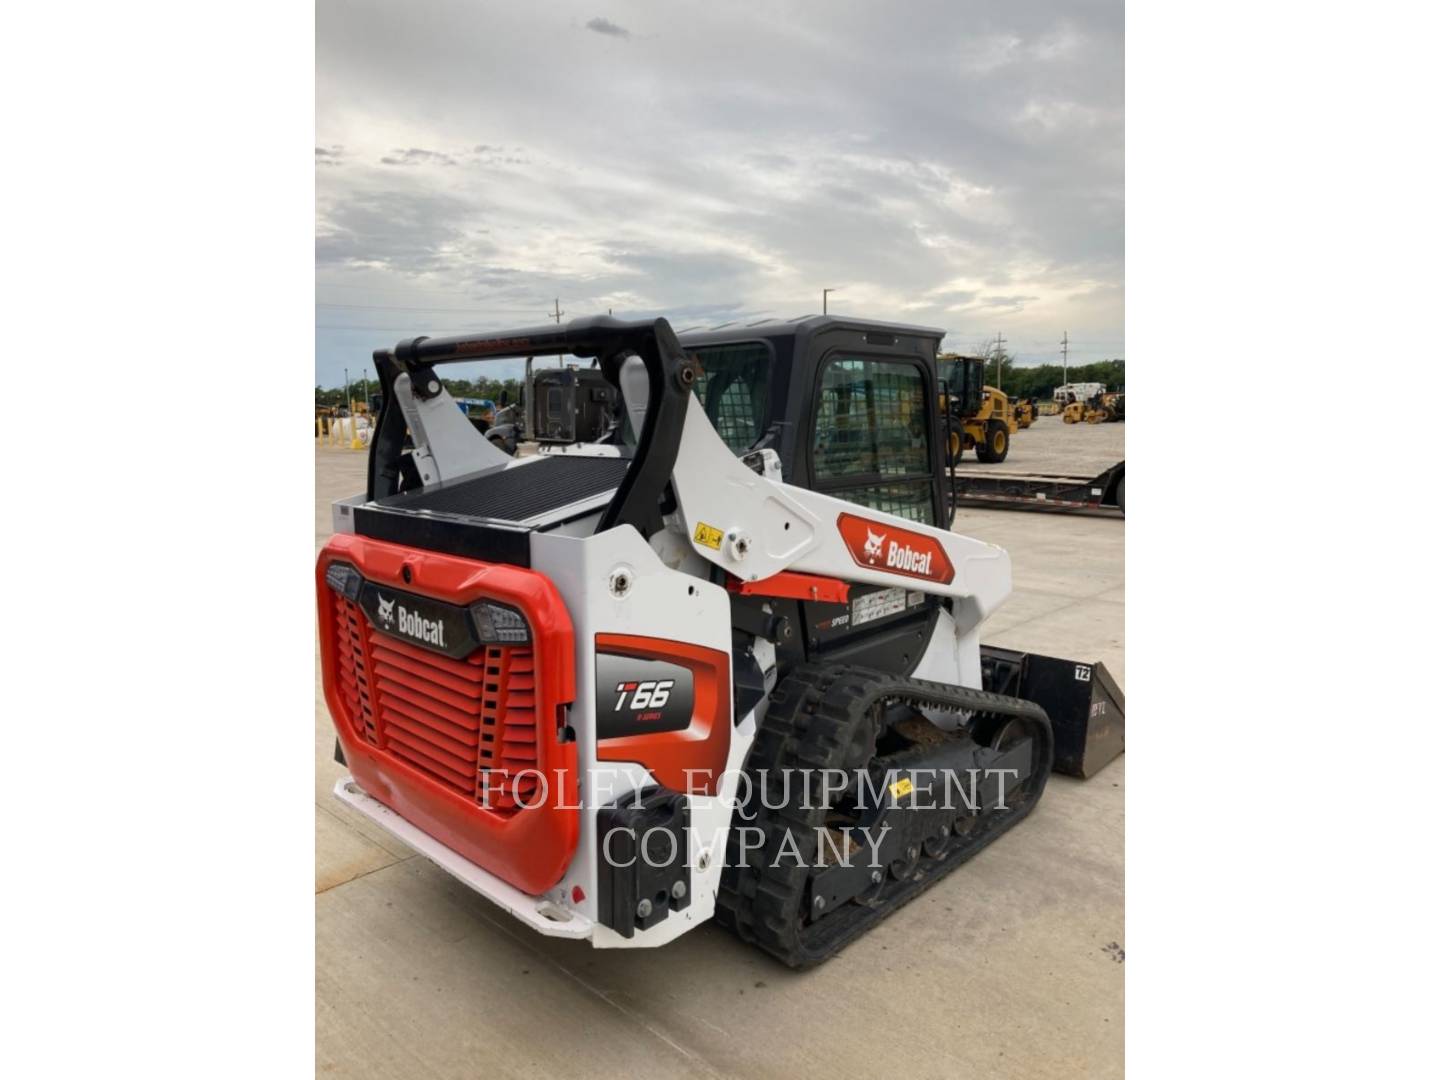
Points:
x=873, y=444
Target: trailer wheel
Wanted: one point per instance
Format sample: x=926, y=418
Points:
x=997, y=441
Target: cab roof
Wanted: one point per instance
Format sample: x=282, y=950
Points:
x=801, y=326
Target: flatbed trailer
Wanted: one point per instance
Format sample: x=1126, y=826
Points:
x=1102, y=495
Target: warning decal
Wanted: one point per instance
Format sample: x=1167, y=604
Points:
x=708, y=536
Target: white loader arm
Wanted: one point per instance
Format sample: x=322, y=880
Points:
x=755, y=528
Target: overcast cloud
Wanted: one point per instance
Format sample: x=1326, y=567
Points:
x=953, y=164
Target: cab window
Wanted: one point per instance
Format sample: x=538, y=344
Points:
x=734, y=388
x=872, y=436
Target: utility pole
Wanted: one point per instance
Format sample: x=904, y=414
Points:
x=528, y=398
x=347, y=388
x=1065, y=357
x=556, y=313
x=999, y=357
x=825, y=300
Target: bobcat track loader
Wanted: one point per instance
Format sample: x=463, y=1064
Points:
x=724, y=666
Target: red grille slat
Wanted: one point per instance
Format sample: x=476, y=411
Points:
x=455, y=720
x=466, y=735
x=462, y=751
x=354, y=686
x=415, y=746
x=421, y=762
x=426, y=680
x=467, y=671
x=517, y=752
x=431, y=713
x=455, y=708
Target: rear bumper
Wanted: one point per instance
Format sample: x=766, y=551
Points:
x=541, y=915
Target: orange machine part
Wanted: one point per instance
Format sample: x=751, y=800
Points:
x=792, y=585
x=692, y=760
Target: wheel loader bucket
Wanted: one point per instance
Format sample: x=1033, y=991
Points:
x=1085, y=705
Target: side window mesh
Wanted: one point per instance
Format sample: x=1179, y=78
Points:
x=909, y=500
x=734, y=388
x=871, y=436
x=871, y=420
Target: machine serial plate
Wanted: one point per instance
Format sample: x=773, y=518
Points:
x=877, y=605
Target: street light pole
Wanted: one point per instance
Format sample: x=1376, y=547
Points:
x=825, y=300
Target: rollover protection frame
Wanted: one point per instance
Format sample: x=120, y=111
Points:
x=670, y=371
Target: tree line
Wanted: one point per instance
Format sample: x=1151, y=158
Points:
x=1017, y=382
x=459, y=388
x=1041, y=380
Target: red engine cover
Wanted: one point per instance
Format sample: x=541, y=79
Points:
x=434, y=736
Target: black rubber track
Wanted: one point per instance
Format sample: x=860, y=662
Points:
x=824, y=717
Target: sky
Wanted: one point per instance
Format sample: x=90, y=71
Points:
x=952, y=164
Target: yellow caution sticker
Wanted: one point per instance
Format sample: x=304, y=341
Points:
x=708, y=535
x=901, y=788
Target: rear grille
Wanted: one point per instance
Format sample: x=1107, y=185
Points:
x=354, y=682
x=509, y=731
x=468, y=724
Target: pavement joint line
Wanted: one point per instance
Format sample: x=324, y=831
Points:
x=367, y=873
x=1062, y=607
x=1032, y=591
x=638, y=1018
x=395, y=860
x=343, y=816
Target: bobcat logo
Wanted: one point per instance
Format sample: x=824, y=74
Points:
x=387, y=610
x=872, y=545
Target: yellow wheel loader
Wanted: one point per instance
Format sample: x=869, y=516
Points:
x=1100, y=409
x=980, y=417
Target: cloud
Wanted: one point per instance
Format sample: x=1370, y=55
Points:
x=416, y=156
x=723, y=175
x=403, y=232
x=496, y=156
x=606, y=27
